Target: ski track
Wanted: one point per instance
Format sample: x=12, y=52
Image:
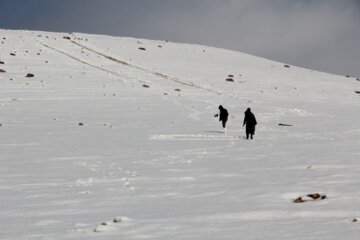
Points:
x=157, y=74
x=162, y=76
x=86, y=63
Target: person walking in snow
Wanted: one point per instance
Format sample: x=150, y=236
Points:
x=250, y=122
x=223, y=116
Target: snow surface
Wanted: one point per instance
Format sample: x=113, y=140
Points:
x=108, y=141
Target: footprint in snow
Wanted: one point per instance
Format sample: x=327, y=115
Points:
x=110, y=225
x=85, y=192
x=85, y=182
x=127, y=184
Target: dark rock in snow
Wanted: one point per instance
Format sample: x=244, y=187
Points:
x=310, y=197
x=298, y=200
x=12, y=54
x=285, y=125
x=2, y=71
x=67, y=38
x=29, y=75
x=287, y=66
x=1, y=62
x=146, y=86
x=177, y=90
x=230, y=80
x=117, y=220
x=141, y=48
x=314, y=196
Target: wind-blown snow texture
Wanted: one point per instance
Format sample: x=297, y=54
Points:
x=114, y=138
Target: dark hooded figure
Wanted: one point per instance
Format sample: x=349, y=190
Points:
x=223, y=116
x=250, y=122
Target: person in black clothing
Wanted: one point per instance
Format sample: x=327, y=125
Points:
x=223, y=116
x=250, y=122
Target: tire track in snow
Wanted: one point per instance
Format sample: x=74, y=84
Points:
x=85, y=63
x=161, y=75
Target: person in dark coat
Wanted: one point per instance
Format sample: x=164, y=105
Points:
x=250, y=122
x=223, y=116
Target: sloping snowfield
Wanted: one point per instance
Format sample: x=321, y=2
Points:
x=115, y=138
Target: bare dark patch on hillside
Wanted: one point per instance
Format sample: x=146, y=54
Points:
x=310, y=197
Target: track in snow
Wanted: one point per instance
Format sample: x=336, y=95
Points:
x=161, y=75
x=84, y=62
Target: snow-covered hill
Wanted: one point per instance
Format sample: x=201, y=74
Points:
x=115, y=138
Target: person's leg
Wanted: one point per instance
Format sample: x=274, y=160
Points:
x=224, y=125
x=247, y=132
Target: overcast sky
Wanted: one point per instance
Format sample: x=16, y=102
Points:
x=317, y=34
